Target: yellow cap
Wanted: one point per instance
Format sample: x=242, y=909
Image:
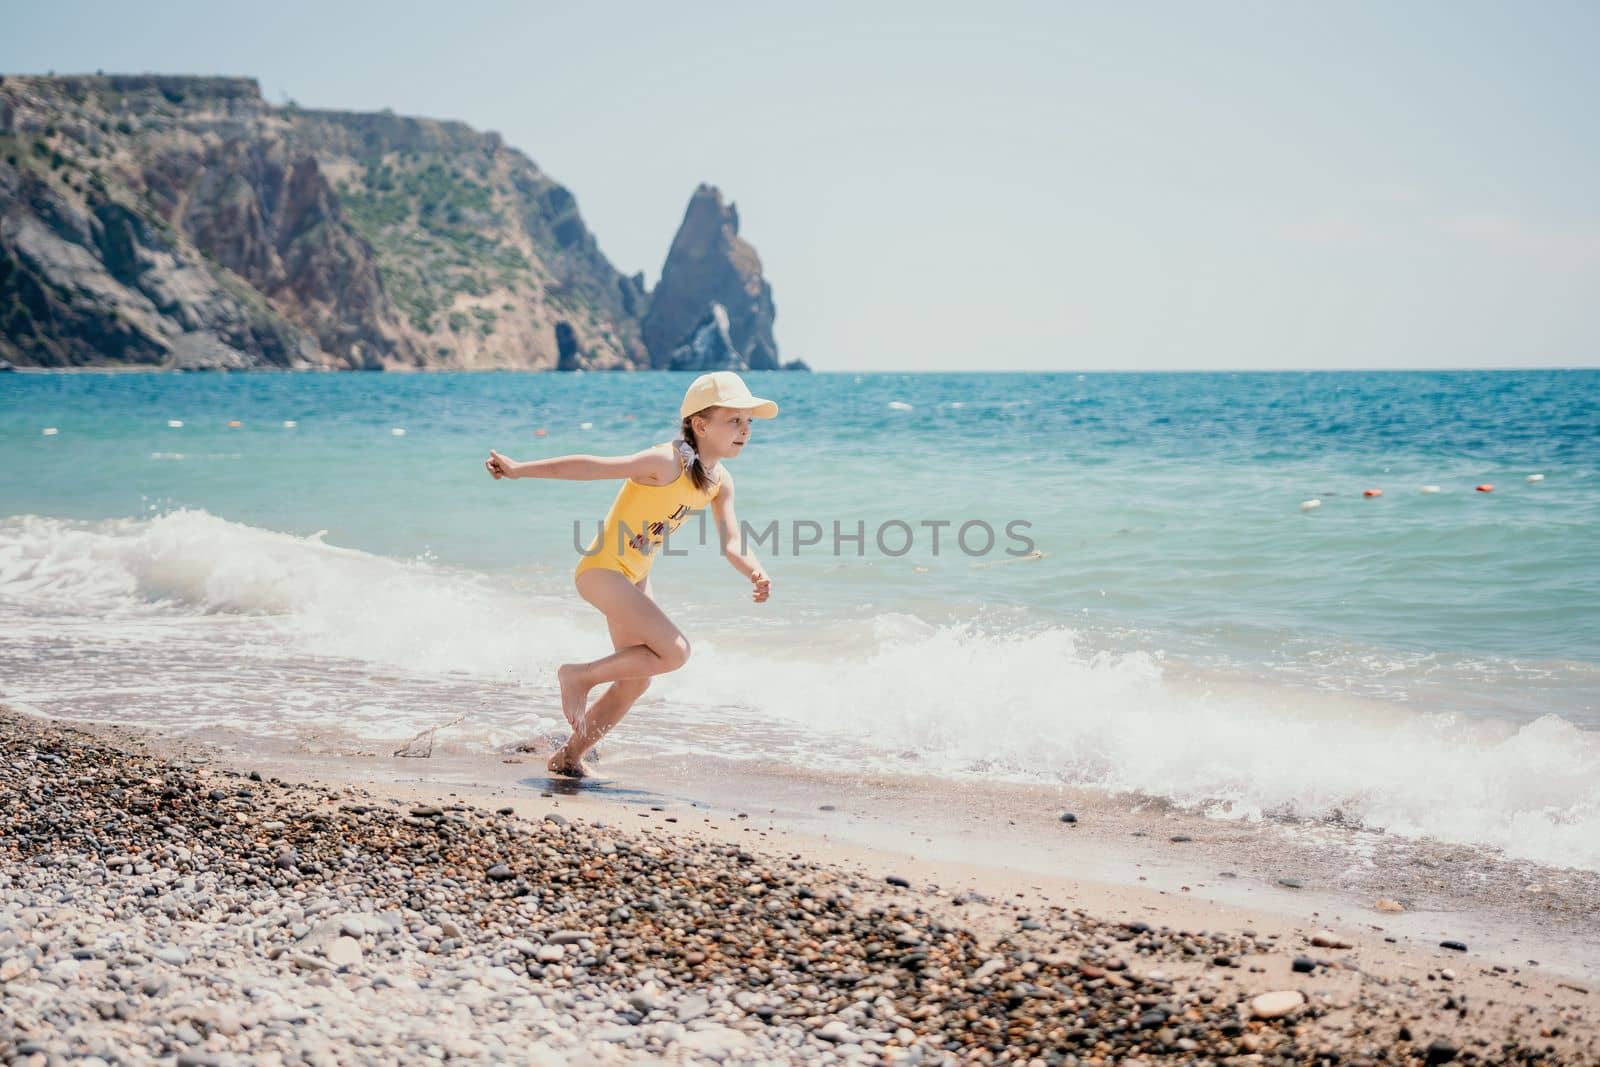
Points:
x=724, y=389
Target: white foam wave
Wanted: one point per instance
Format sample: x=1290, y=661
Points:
x=325, y=599
x=1038, y=707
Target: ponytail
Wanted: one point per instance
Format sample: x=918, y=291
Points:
x=689, y=449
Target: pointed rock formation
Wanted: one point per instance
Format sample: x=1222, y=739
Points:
x=711, y=264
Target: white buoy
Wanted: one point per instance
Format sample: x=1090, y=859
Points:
x=1310, y=505
x=49, y=431
x=899, y=405
x=176, y=424
x=289, y=424
x=958, y=404
x=1535, y=477
x=398, y=431
x=585, y=425
x=1430, y=489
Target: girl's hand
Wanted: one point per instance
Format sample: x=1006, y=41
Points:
x=499, y=465
x=763, y=587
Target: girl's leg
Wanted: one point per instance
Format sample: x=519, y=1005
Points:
x=621, y=694
x=647, y=643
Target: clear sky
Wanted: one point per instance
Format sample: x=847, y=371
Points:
x=1004, y=185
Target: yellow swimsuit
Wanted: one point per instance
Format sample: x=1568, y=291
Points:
x=640, y=518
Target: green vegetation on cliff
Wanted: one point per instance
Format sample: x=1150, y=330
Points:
x=426, y=221
x=150, y=208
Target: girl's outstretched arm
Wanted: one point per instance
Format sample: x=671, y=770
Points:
x=743, y=561
x=653, y=466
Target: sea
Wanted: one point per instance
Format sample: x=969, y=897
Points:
x=1373, y=597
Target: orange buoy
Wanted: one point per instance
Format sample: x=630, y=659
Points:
x=1372, y=492
x=1485, y=488
x=540, y=432
x=235, y=423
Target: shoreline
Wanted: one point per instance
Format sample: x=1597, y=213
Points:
x=623, y=922
x=1510, y=912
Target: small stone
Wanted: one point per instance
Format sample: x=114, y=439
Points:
x=1152, y=1019
x=506, y=811
x=1178, y=839
x=1454, y=946
x=1277, y=1004
x=173, y=955
x=1304, y=965
x=837, y=1032
x=692, y=1007
x=1291, y=883
x=895, y=879
x=1328, y=939
x=499, y=873
x=644, y=1001
x=1440, y=1051
x=344, y=952
x=989, y=966
x=1388, y=907
x=1067, y=816
x=550, y=953
x=426, y=811
x=552, y=817
x=567, y=937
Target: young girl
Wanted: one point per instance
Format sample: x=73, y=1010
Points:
x=664, y=485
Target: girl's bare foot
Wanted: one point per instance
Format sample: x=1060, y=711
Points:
x=562, y=763
x=574, y=695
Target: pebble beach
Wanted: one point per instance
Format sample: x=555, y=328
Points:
x=168, y=904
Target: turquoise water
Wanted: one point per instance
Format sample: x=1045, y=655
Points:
x=1180, y=600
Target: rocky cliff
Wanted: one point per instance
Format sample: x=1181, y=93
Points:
x=710, y=264
x=186, y=222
